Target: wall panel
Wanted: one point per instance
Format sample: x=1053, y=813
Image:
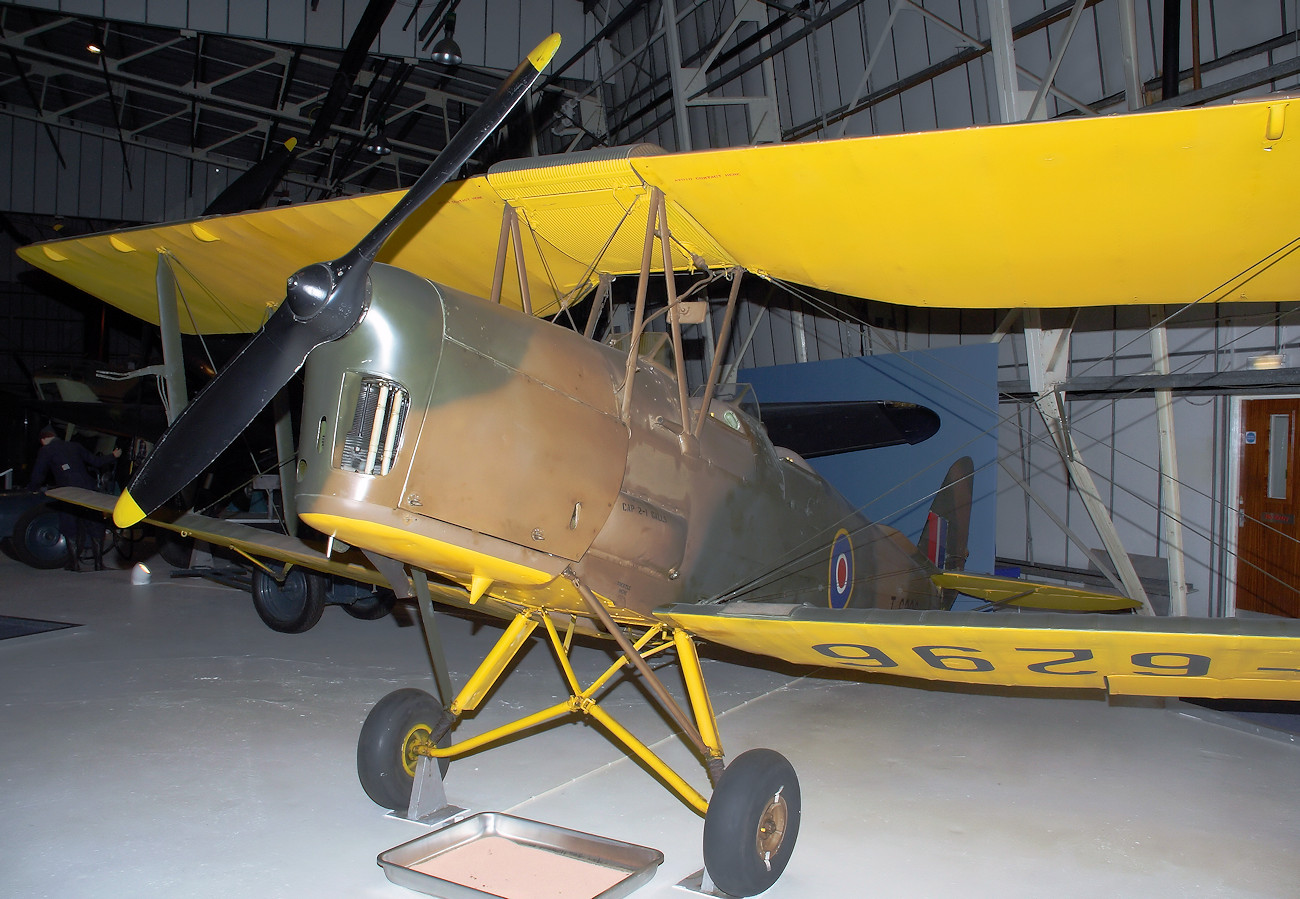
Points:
x=25, y=193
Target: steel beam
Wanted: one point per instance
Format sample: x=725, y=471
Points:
x=1134, y=94
x=1048, y=352
x=1061, y=523
x=965, y=56
x=681, y=78
x=1279, y=380
x=1004, y=60
x=1171, y=512
x=1055, y=64
x=872, y=59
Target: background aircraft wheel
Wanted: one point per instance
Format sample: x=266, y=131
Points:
x=292, y=607
x=752, y=823
x=36, y=540
x=177, y=551
x=386, y=756
x=372, y=607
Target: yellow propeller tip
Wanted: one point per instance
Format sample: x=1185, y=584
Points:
x=127, y=512
x=543, y=52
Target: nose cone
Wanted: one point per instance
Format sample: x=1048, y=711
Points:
x=308, y=290
x=358, y=392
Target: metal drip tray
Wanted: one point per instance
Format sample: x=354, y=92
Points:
x=496, y=855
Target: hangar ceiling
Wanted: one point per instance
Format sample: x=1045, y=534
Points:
x=217, y=98
x=228, y=83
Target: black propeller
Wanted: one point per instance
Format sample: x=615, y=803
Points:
x=322, y=303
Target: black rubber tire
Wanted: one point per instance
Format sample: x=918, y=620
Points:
x=372, y=607
x=177, y=551
x=384, y=766
x=37, y=541
x=292, y=607
x=756, y=803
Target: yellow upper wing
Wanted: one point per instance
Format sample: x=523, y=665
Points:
x=1165, y=207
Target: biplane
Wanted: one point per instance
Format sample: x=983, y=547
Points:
x=457, y=446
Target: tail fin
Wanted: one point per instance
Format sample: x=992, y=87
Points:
x=947, y=527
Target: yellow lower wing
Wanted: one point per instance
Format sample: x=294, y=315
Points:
x=1129, y=655
x=256, y=545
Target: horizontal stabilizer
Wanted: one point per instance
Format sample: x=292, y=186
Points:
x=1003, y=591
x=1130, y=654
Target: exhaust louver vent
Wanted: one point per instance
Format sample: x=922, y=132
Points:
x=371, y=444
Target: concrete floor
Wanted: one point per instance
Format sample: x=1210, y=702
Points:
x=173, y=745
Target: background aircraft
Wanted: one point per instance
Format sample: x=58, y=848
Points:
x=475, y=452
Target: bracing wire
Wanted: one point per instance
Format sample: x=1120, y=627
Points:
x=800, y=557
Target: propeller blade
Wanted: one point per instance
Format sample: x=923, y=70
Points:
x=221, y=411
x=322, y=303
x=458, y=151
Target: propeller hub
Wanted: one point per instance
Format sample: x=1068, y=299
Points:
x=309, y=290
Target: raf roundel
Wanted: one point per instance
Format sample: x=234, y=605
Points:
x=841, y=573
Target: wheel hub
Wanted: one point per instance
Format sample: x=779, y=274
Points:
x=771, y=828
x=416, y=743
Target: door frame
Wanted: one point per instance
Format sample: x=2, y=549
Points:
x=1232, y=492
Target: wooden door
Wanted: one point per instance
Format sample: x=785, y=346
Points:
x=1268, y=548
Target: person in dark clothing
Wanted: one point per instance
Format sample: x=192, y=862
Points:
x=69, y=464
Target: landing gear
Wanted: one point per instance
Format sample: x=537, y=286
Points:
x=372, y=607
x=752, y=823
x=290, y=607
x=388, y=748
x=37, y=540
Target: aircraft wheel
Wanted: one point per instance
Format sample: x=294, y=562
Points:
x=36, y=539
x=292, y=607
x=372, y=607
x=386, y=749
x=177, y=551
x=752, y=823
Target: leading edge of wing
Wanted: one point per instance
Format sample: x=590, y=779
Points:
x=1036, y=214
x=255, y=544
x=231, y=269
x=241, y=537
x=1127, y=655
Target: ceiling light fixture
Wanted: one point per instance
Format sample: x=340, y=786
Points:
x=447, y=51
x=378, y=143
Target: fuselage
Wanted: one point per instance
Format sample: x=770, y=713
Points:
x=491, y=448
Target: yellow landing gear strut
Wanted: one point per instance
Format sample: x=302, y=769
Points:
x=582, y=700
x=751, y=821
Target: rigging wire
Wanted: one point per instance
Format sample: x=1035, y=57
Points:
x=800, y=558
